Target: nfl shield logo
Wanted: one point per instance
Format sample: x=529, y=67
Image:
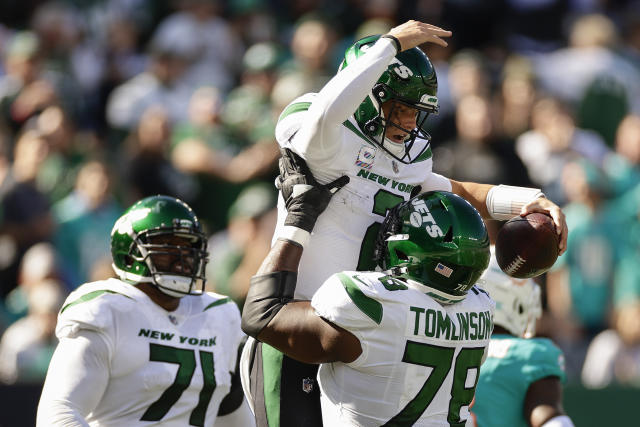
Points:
x=307, y=385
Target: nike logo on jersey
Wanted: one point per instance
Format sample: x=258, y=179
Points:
x=385, y=182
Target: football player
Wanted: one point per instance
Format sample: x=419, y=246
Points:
x=151, y=347
x=522, y=376
x=367, y=123
x=402, y=346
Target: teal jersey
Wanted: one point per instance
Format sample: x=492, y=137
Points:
x=512, y=365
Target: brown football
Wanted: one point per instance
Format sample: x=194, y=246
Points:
x=527, y=246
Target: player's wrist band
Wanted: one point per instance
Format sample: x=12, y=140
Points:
x=394, y=40
x=505, y=201
x=294, y=235
x=559, y=421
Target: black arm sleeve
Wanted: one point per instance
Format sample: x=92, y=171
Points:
x=267, y=295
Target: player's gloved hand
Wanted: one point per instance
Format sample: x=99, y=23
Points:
x=304, y=197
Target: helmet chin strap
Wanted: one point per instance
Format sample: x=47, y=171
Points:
x=395, y=148
x=173, y=285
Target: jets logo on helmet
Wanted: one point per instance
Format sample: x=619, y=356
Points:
x=400, y=69
x=436, y=239
x=421, y=216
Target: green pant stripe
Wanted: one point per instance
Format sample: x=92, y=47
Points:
x=271, y=374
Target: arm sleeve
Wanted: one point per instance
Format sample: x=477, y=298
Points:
x=342, y=301
x=436, y=182
x=319, y=138
x=77, y=377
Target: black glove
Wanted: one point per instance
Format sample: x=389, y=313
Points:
x=304, y=197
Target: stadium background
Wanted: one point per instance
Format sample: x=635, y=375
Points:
x=105, y=101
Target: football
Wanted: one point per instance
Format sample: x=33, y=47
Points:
x=527, y=246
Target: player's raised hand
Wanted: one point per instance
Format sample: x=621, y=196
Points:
x=414, y=33
x=304, y=197
x=546, y=206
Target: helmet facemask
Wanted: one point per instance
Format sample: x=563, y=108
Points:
x=383, y=122
x=177, y=269
x=159, y=240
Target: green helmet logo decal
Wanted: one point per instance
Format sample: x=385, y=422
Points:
x=421, y=216
x=437, y=239
x=124, y=224
x=400, y=69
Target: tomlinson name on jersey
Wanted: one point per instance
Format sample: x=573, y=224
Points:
x=471, y=326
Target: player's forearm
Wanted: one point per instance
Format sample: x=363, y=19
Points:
x=283, y=256
x=339, y=99
x=474, y=193
x=342, y=95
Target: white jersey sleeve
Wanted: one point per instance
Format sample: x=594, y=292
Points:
x=77, y=377
x=319, y=139
x=436, y=182
x=342, y=302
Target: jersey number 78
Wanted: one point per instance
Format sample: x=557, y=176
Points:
x=440, y=359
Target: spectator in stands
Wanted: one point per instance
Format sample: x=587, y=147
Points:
x=162, y=83
x=242, y=246
x=206, y=148
x=83, y=217
x=613, y=356
x=26, y=217
x=579, y=287
x=198, y=32
x=27, y=345
x=24, y=91
x=623, y=165
x=146, y=166
x=478, y=153
x=553, y=141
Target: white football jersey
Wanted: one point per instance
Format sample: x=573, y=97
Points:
x=420, y=360
x=166, y=368
x=321, y=128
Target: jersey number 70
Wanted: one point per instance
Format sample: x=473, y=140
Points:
x=440, y=359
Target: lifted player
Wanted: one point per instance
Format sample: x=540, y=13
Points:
x=366, y=123
x=398, y=347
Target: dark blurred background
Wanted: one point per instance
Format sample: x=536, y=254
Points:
x=103, y=102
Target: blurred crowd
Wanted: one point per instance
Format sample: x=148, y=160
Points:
x=103, y=102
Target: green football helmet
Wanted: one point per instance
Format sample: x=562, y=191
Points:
x=159, y=240
x=437, y=239
x=409, y=80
